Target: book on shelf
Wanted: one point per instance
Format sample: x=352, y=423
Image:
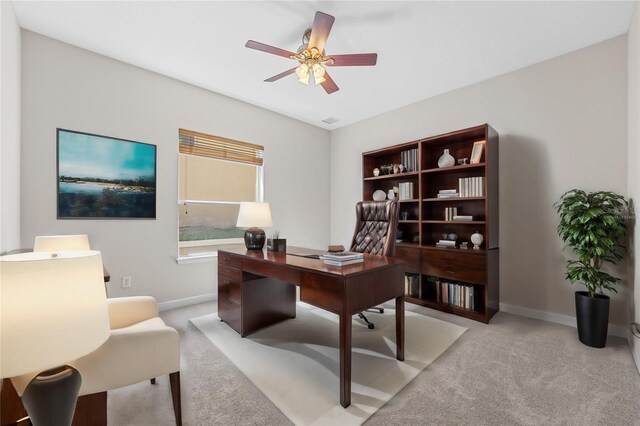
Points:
x=409, y=159
x=447, y=242
x=457, y=294
x=471, y=186
x=452, y=195
x=463, y=218
x=448, y=191
x=412, y=285
x=450, y=213
x=343, y=262
x=406, y=191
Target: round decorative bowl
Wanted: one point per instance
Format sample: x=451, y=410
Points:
x=379, y=195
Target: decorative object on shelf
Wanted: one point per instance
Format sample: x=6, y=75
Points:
x=275, y=243
x=416, y=237
x=477, y=240
x=391, y=195
x=54, y=311
x=404, y=215
x=453, y=236
x=396, y=169
x=386, y=169
x=379, y=195
x=376, y=172
x=464, y=245
x=446, y=160
x=594, y=225
x=335, y=248
x=401, y=167
x=399, y=235
x=462, y=161
x=254, y=215
x=476, y=153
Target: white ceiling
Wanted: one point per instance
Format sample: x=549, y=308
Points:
x=424, y=48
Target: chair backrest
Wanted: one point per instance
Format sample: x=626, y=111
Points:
x=61, y=243
x=376, y=227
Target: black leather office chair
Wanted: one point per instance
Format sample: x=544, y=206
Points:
x=376, y=229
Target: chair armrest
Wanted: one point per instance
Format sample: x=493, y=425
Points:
x=126, y=311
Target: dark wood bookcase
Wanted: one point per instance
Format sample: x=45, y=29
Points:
x=425, y=221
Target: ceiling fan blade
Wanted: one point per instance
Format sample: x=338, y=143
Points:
x=329, y=85
x=322, y=24
x=282, y=74
x=358, y=59
x=269, y=49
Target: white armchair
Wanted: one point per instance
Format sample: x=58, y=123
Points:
x=140, y=347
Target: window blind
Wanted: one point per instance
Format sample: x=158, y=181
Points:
x=204, y=145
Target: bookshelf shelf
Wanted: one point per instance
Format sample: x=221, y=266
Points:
x=452, y=199
x=398, y=176
x=454, y=168
x=456, y=222
x=423, y=259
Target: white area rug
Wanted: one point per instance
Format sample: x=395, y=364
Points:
x=295, y=362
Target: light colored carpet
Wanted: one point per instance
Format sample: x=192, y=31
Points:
x=295, y=363
x=513, y=371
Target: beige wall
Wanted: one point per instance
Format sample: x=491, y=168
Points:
x=633, y=100
x=10, y=129
x=64, y=86
x=562, y=125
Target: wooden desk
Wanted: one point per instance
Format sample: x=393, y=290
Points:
x=257, y=289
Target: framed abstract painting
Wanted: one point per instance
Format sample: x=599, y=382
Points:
x=101, y=177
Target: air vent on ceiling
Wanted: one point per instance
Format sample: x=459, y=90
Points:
x=330, y=120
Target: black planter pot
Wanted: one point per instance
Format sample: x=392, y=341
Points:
x=592, y=314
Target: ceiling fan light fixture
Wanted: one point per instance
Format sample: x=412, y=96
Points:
x=303, y=73
x=318, y=73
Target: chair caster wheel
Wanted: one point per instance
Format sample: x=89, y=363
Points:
x=371, y=326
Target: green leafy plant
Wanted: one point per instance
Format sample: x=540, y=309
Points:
x=592, y=224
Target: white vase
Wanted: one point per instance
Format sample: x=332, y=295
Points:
x=446, y=160
x=477, y=240
x=391, y=195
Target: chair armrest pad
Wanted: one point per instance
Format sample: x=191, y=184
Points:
x=126, y=311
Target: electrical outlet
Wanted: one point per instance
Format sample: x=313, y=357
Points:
x=126, y=282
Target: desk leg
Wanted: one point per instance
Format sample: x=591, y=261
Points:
x=345, y=360
x=400, y=328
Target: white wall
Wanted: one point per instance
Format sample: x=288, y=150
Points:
x=9, y=129
x=633, y=100
x=64, y=86
x=562, y=125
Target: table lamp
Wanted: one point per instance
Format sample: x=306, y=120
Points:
x=253, y=216
x=53, y=311
x=61, y=243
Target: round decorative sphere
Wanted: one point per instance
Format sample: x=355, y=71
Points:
x=477, y=240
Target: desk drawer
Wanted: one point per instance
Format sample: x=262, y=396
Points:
x=455, y=265
x=229, y=289
x=229, y=260
x=234, y=274
x=411, y=258
x=407, y=253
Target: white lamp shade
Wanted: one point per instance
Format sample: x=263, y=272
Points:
x=254, y=215
x=53, y=309
x=62, y=243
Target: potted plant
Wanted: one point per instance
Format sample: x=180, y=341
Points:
x=592, y=225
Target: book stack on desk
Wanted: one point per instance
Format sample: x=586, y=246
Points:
x=342, y=258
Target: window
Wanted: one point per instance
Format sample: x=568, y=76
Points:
x=214, y=175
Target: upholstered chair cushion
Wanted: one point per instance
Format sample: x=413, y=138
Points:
x=139, y=348
x=376, y=227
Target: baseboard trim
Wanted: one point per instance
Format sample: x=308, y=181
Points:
x=187, y=301
x=614, y=330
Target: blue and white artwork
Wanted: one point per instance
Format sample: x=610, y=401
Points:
x=103, y=177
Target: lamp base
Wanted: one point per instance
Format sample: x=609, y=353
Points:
x=254, y=238
x=50, y=398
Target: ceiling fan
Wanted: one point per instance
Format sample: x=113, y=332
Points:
x=312, y=57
